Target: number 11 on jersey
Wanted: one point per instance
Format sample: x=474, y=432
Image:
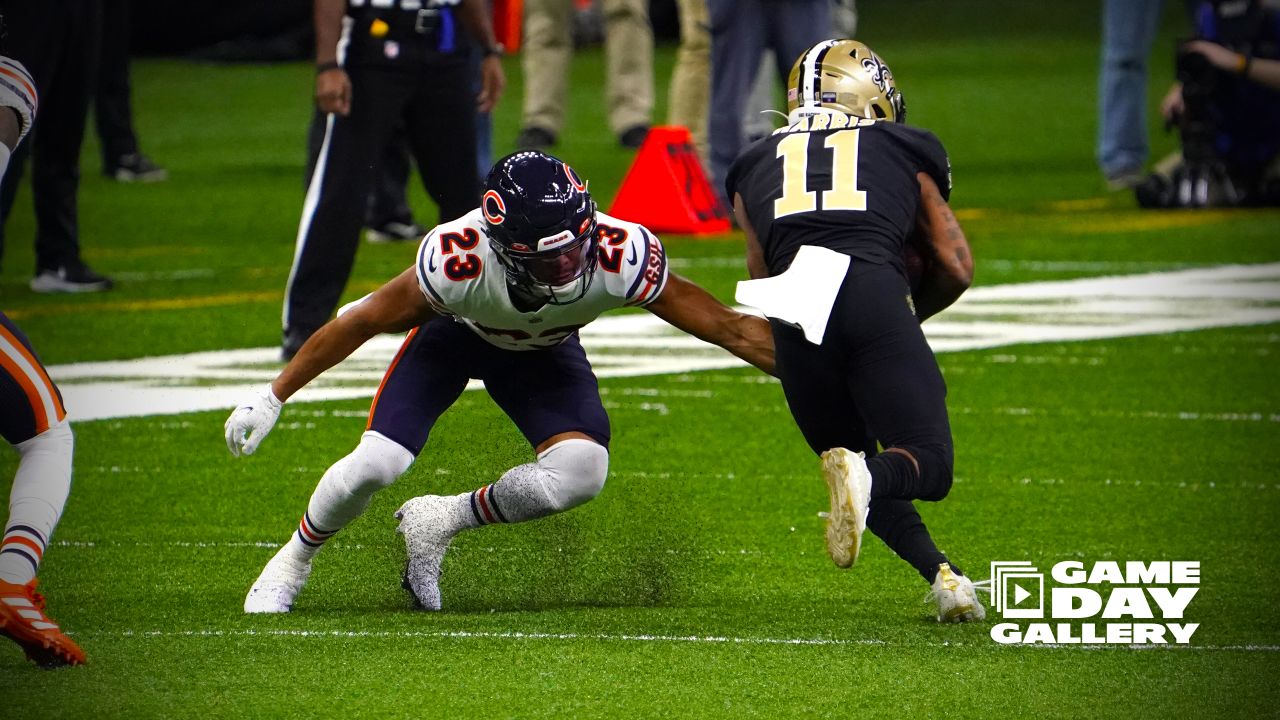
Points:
x=844, y=193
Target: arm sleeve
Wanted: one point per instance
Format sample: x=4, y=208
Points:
x=648, y=276
x=429, y=273
x=18, y=91
x=934, y=161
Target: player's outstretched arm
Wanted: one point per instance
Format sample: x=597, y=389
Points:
x=395, y=307
x=695, y=311
x=949, y=271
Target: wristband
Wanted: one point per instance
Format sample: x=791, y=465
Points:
x=495, y=50
x=1244, y=66
x=327, y=66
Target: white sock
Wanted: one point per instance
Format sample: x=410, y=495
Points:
x=566, y=475
x=345, y=491
x=40, y=490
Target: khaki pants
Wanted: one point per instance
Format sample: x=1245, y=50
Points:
x=548, y=45
x=690, y=91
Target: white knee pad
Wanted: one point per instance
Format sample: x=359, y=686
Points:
x=58, y=441
x=577, y=470
x=375, y=463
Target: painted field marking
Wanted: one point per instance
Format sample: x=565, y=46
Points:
x=644, y=638
x=635, y=345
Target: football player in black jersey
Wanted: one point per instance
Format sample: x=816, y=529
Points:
x=835, y=206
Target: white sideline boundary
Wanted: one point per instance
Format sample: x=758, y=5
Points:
x=645, y=638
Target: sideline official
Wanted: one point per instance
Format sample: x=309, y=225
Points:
x=379, y=63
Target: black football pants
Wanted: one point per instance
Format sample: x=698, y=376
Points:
x=437, y=110
x=387, y=196
x=874, y=381
x=112, y=109
x=58, y=42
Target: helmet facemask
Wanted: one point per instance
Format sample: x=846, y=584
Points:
x=558, y=267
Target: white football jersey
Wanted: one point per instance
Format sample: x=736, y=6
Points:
x=461, y=276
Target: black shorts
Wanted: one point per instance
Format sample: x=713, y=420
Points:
x=29, y=401
x=545, y=392
x=874, y=378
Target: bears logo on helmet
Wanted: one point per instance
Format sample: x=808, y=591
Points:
x=495, y=211
x=541, y=222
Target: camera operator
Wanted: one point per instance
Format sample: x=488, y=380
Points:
x=1226, y=105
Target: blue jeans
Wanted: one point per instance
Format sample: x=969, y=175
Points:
x=1128, y=31
x=740, y=32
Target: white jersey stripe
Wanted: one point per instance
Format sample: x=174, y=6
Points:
x=316, y=185
x=33, y=376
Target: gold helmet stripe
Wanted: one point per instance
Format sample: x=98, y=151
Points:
x=811, y=74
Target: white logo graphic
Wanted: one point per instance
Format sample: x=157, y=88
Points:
x=1111, y=591
x=1012, y=578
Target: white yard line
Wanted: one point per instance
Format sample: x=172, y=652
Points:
x=642, y=638
x=636, y=345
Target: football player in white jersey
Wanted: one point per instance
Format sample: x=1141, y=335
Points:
x=499, y=295
x=34, y=422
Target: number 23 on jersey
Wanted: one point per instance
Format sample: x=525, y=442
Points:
x=464, y=265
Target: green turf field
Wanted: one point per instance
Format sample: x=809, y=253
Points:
x=696, y=585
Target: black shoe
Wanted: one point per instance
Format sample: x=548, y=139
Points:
x=395, y=231
x=535, y=138
x=135, y=167
x=76, y=278
x=633, y=137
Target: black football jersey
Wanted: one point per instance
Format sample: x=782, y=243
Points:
x=838, y=182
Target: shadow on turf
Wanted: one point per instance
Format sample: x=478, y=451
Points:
x=559, y=566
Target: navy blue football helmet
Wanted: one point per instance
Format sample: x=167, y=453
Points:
x=542, y=225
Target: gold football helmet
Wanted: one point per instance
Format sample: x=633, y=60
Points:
x=846, y=76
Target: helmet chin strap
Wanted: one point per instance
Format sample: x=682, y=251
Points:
x=803, y=112
x=574, y=290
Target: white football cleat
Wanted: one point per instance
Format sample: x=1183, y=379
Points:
x=849, y=483
x=280, y=582
x=957, y=597
x=427, y=526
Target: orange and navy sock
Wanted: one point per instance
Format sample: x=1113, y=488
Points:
x=484, y=506
x=312, y=535
x=20, y=553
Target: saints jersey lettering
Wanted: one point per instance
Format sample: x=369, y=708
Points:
x=840, y=182
x=461, y=277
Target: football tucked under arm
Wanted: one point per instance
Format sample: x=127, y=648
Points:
x=937, y=257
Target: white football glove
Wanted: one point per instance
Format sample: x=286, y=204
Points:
x=251, y=421
x=18, y=91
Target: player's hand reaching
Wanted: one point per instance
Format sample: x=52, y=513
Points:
x=251, y=421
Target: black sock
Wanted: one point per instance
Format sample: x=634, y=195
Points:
x=899, y=525
x=893, y=475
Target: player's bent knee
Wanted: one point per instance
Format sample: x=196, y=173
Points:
x=57, y=440
x=376, y=462
x=936, y=471
x=577, y=468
